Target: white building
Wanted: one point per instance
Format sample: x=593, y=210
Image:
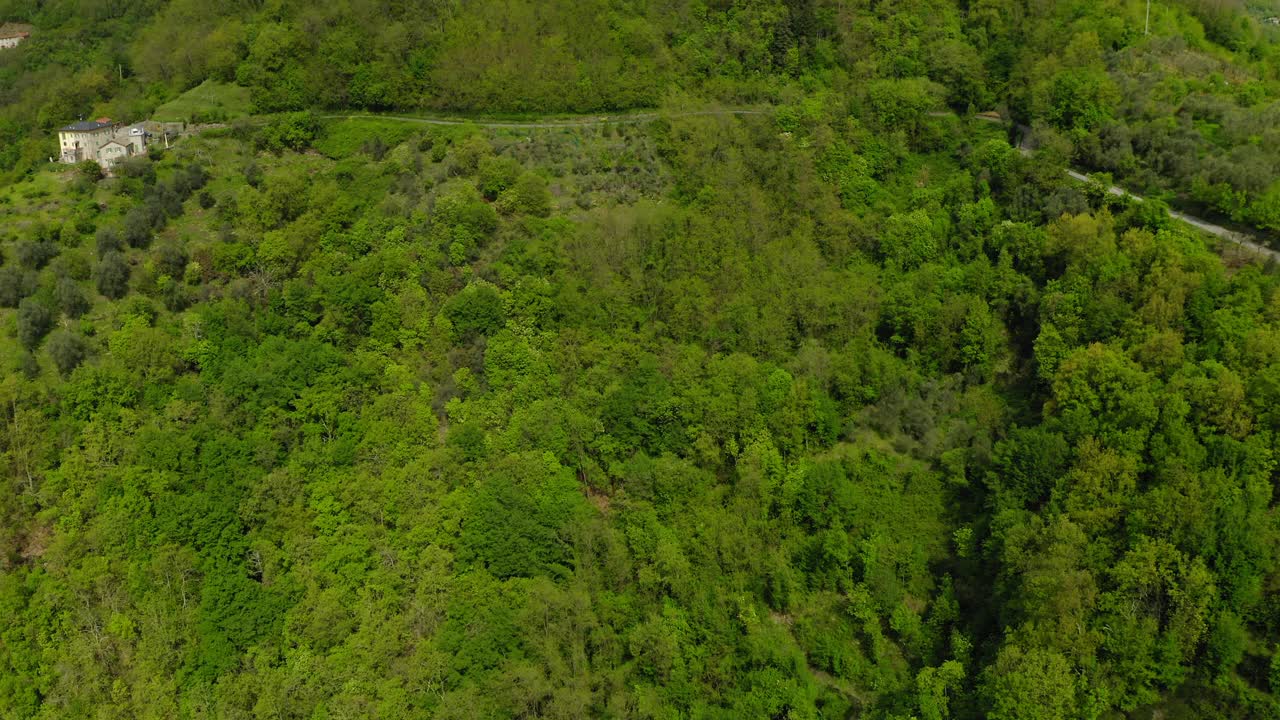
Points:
x=102, y=141
x=12, y=39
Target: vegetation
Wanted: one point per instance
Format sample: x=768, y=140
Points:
x=845, y=409
x=210, y=101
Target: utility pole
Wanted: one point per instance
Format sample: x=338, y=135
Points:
x=1147, y=30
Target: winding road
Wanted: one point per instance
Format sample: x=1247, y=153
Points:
x=1242, y=239
x=1228, y=234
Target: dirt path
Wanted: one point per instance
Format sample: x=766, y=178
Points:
x=1239, y=238
x=550, y=124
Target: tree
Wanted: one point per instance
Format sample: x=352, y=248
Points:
x=139, y=226
x=933, y=687
x=34, y=322
x=477, y=310
x=108, y=240
x=171, y=260
x=529, y=195
x=67, y=349
x=71, y=299
x=900, y=104
x=15, y=284
x=1030, y=684
x=89, y=171
x=35, y=254
x=1099, y=391
x=291, y=131
x=113, y=275
x=496, y=174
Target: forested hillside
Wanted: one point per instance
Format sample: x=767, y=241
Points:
x=843, y=408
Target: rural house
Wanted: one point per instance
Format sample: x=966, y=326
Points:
x=12, y=39
x=102, y=141
x=13, y=34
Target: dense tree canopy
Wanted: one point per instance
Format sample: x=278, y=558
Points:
x=843, y=409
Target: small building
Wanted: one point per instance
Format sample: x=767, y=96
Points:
x=102, y=141
x=113, y=152
x=10, y=40
x=13, y=34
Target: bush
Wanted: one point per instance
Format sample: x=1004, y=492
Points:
x=89, y=171
x=113, y=275
x=138, y=167
x=34, y=322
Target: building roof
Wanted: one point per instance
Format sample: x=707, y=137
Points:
x=15, y=29
x=87, y=126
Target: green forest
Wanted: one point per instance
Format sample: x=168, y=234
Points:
x=719, y=359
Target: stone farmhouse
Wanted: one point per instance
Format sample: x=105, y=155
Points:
x=102, y=141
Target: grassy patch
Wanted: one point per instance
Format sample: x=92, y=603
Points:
x=345, y=138
x=37, y=199
x=209, y=101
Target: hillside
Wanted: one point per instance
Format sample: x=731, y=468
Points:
x=620, y=404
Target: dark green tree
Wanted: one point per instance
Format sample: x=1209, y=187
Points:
x=34, y=322
x=68, y=350
x=113, y=275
